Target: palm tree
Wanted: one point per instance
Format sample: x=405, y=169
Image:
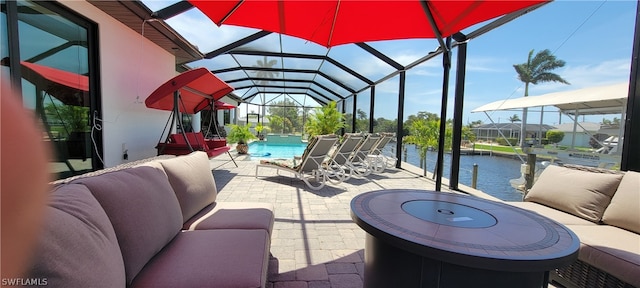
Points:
x=537, y=70
x=514, y=118
x=264, y=73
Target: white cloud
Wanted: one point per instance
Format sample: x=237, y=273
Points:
x=607, y=72
x=425, y=98
x=483, y=64
x=581, y=76
x=425, y=72
x=407, y=57
x=201, y=31
x=371, y=67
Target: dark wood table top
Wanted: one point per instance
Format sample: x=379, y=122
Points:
x=465, y=230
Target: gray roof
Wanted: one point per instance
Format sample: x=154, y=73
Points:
x=513, y=126
x=589, y=126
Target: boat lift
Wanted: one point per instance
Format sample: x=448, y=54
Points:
x=600, y=100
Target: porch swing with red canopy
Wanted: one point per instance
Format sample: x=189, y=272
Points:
x=189, y=92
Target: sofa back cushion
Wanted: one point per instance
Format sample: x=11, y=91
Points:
x=192, y=181
x=624, y=210
x=77, y=246
x=581, y=193
x=143, y=210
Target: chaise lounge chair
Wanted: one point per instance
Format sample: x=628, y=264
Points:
x=360, y=163
x=310, y=164
x=379, y=159
x=340, y=160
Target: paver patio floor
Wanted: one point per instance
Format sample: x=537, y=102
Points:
x=314, y=242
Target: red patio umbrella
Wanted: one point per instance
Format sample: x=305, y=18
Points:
x=335, y=22
x=196, y=89
x=68, y=87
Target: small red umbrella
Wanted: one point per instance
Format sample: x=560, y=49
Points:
x=219, y=105
x=196, y=89
x=68, y=87
x=335, y=22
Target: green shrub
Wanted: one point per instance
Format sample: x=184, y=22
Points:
x=507, y=141
x=543, y=141
x=555, y=136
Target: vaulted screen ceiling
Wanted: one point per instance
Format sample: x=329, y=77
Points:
x=262, y=65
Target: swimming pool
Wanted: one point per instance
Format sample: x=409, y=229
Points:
x=264, y=150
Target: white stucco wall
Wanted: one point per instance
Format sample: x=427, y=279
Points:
x=131, y=67
x=582, y=139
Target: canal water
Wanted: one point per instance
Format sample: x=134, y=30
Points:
x=494, y=172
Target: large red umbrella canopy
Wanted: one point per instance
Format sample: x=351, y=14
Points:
x=197, y=88
x=335, y=22
x=68, y=87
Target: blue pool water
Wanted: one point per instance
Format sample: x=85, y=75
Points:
x=494, y=172
x=262, y=150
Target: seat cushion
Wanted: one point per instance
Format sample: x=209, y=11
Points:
x=210, y=258
x=192, y=181
x=581, y=193
x=77, y=246
x=554, y=214
x=233, y=215
x=217, y=151
x=196, y=139
x=611, y=249
x=624, y=210
x=284, y=163
x=216, y=143
x=143, y=210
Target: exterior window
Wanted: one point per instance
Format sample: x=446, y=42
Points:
x=4, y=41
x=56, y=52
x=363, y=104
x=348, y=112
x=227, y=117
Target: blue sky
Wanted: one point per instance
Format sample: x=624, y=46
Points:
x=594, y=38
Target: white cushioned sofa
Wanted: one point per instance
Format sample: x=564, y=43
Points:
x=156, y=224
x=603, y=209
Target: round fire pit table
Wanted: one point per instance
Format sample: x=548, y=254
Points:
x=420, y=238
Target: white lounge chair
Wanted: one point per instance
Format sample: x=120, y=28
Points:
x=338, y=164
x=379, y=158
x=309, y=165
x=360, y=163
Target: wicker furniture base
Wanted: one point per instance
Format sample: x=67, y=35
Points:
x=582, y=275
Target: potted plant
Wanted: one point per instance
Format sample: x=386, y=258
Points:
x=259, y=128
x=240, y=134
